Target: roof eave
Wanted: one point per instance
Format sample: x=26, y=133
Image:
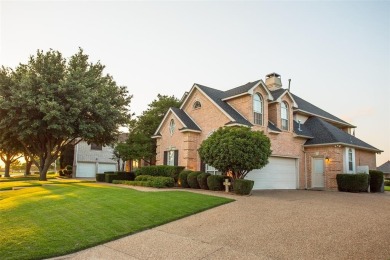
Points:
x=326, y=118
x=347, y=145
x=182, y=130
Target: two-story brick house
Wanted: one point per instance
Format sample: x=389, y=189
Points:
x=309, y=145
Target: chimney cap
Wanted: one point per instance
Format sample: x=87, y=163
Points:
x=272, y=74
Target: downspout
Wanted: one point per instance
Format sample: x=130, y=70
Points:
x=303, y=150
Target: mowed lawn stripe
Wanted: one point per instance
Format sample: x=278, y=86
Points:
x=41, y=222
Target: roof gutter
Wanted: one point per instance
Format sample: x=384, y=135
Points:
x=346, y=144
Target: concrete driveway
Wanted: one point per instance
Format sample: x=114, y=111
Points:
x=267, y=225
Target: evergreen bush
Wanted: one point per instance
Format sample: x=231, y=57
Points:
x=202, y=180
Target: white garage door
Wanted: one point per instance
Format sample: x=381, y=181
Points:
x=107, y=167
x=86, y=170
x=279, y=173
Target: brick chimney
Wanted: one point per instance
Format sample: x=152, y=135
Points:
x=273, y=81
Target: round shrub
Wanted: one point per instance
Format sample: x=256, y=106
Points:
x=215, y=182
x=143, y=178
x=243, y=187
x=376, y=181
x=202, y=180
x=192, y=180
x=183, y=179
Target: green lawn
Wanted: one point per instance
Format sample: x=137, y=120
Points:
x=387, y=188
x=52, y=220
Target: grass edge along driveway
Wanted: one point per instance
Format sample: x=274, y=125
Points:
x=53, y=220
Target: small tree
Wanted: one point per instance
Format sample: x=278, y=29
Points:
x=236, y=150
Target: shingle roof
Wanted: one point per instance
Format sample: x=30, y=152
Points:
x=277, y=93
x=273, y=127
x=302, y=130
x=240, y=90
x=185, y=119
x=385, y=168
x=312, y=109
x=216, y=96
x=325, y=133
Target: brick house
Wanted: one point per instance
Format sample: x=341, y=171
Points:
x=309, y=145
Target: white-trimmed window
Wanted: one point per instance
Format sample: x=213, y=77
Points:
x=210, y=169
x=197, y=104
x=284, y=115
x=257, y=109
x=172, y=126
x=349, y=160
x=171, y=158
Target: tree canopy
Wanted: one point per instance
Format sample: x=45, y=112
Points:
x=51, y=102
x=142, y=146
x=236, y=150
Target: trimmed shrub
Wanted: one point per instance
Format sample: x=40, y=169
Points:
x=192, y=180
x=161, y=170
x=183, y=179
x=118, y=181
x=243, y=187
x=109, y=177
x=202, y=180
x=128, y=176
x=162, y=182
x=352, y=182
x=143, y=178
x=387, y=182
x=215, y=182
x=100, y=177
x=376, y=181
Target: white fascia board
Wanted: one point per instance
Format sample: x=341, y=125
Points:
x=190, y=130
x=187, y=96
x=326, y=118
x=235, y=96
x=345, y=145
x=212, y=101
x=162, y=121
x=237, y=124
x=261, y=82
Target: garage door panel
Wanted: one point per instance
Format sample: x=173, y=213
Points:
x=279, y=173
x=85, y=170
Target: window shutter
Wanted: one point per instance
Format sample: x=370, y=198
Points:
x=165, y=157
x=176, y=158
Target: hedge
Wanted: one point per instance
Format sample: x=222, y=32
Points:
x=352, y=182
x=243, y=187
x=149, y=181
x=161, y=170
x=192, y=180
x=376, y=181
x=202, y=180
x=100, y=177
x=110, y=176
x=387, y=182
x=183, y=179
x=215, y=182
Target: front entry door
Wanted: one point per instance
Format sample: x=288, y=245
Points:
x=317, y=178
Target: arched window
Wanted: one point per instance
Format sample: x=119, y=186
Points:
x=284, y=115
x=197, y=104
x=257, y=109
x=171, y=126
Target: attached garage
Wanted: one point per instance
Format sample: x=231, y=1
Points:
x=88, y=170
x=279, y=173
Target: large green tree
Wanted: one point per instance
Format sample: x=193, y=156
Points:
x=142, y=146
x=236, y=150
x=51, y=102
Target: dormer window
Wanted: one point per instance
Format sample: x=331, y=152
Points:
x=197, y=105
x=257, y=109
x=172, y=126
x=284, y=115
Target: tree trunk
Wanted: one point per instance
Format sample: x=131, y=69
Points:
x=27, y=170
x=7, y=167
x=43, y=168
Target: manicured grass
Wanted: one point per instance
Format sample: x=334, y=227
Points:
x=8, y=184
x=46, y=221
x=387, y=188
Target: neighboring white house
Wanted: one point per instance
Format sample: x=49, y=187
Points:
x=90, y=159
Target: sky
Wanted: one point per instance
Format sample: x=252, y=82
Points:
x=336, y=53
